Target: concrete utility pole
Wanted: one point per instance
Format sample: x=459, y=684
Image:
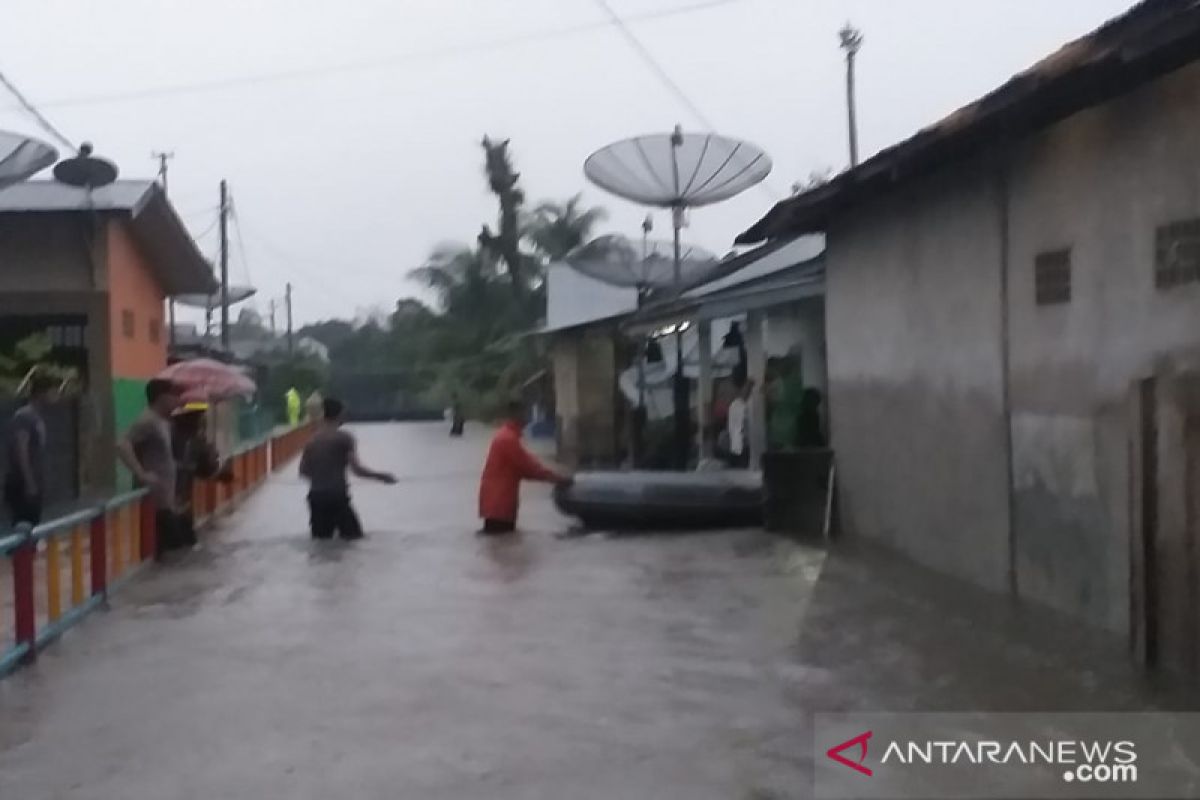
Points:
x=162, y=159
x=291, y=346
x=224, y=266
x=852, y=40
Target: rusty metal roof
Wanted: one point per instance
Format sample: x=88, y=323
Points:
x=1151, y=39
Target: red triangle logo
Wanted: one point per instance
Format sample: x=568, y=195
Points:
x=859, y=742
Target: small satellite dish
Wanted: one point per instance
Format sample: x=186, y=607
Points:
x=22, y=157
x=85, y=170
x=208, y=302
x=677, y=170
x=620, y=261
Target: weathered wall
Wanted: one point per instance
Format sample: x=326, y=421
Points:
x=140, y=350
x=585, y=392
x=915, y=375
x=1100, y=183
x=47, y=252
x=922, y=288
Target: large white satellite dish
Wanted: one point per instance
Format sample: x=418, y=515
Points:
x=677, y=170
x=619, y=261
x=22, y=157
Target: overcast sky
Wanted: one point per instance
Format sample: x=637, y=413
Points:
x=348, y=171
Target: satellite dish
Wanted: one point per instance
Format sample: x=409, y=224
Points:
x=677, y=170
x=620, y=261
x=208, y=302
x=85, y=170
x=22, y=157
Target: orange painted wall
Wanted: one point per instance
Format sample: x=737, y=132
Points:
x=134, y=290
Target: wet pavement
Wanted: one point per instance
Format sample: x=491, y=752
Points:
x=427, y=662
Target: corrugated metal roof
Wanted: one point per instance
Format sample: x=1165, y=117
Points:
x=1151, y=39
x=177, y=262
x=798, y=251
x=55, y=196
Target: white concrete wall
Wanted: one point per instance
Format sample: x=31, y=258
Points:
x=915, y=310
x=915, y=376
x=1100, y=183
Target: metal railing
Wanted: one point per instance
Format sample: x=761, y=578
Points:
x=78, y=559
x=64, y=569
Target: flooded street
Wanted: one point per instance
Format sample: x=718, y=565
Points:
x=427, y=662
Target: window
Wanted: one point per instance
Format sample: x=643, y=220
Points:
x=1177, y=254
x=128, y=324
x=155, y=331
x=1052, y=277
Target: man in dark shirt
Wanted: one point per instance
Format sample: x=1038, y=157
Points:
x=146, y=451
x=25, y=480
x=327, y=459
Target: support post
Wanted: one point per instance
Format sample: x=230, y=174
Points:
x=756, y=355
x=704, y=392
x=99, y=550
x=24, y=612
x=149, y=529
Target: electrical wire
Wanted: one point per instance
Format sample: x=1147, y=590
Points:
x=288, y=262
x=621, y=24
x=33, y=111
x=499, y=43
x=653, y=63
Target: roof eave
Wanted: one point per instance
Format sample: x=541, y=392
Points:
x=178, y=263
x=1029, y=102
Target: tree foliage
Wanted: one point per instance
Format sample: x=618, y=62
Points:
x=473, y=342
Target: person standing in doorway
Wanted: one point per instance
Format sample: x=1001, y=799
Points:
x=738, y=426
x=328, y=458
x=508, y=463
x=146, y=451
x=25, y=481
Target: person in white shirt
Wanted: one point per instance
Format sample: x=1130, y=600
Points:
x=737, y=426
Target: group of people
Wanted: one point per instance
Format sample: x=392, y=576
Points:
x=331, y=456
x=166, y=449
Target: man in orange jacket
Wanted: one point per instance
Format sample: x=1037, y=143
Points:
x=508, y=463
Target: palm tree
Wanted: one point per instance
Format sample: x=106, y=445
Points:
x=556, y=229
x=504, y=182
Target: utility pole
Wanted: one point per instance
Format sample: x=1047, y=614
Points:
x=852, y=40
x=272, y=307
x=163, y=158
x=288, y=299
x=224, y=267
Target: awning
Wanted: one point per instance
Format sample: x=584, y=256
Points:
x=785, y=286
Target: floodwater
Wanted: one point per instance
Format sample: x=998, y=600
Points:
x=426, y=662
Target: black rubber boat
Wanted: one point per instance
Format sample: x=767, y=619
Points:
x=664, y=500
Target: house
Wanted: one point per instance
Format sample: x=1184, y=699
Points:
x=774, y=290
x=775, y=294
x=582, y=328
x=93, y=270
x=1013, y=325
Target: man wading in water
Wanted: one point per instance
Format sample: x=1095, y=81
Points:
x=327, y=459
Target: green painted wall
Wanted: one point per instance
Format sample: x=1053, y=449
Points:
x=129, y=401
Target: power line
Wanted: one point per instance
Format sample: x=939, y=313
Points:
x=655, y=66
x=664, y=76
x=361, y=66
x=33, y=111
